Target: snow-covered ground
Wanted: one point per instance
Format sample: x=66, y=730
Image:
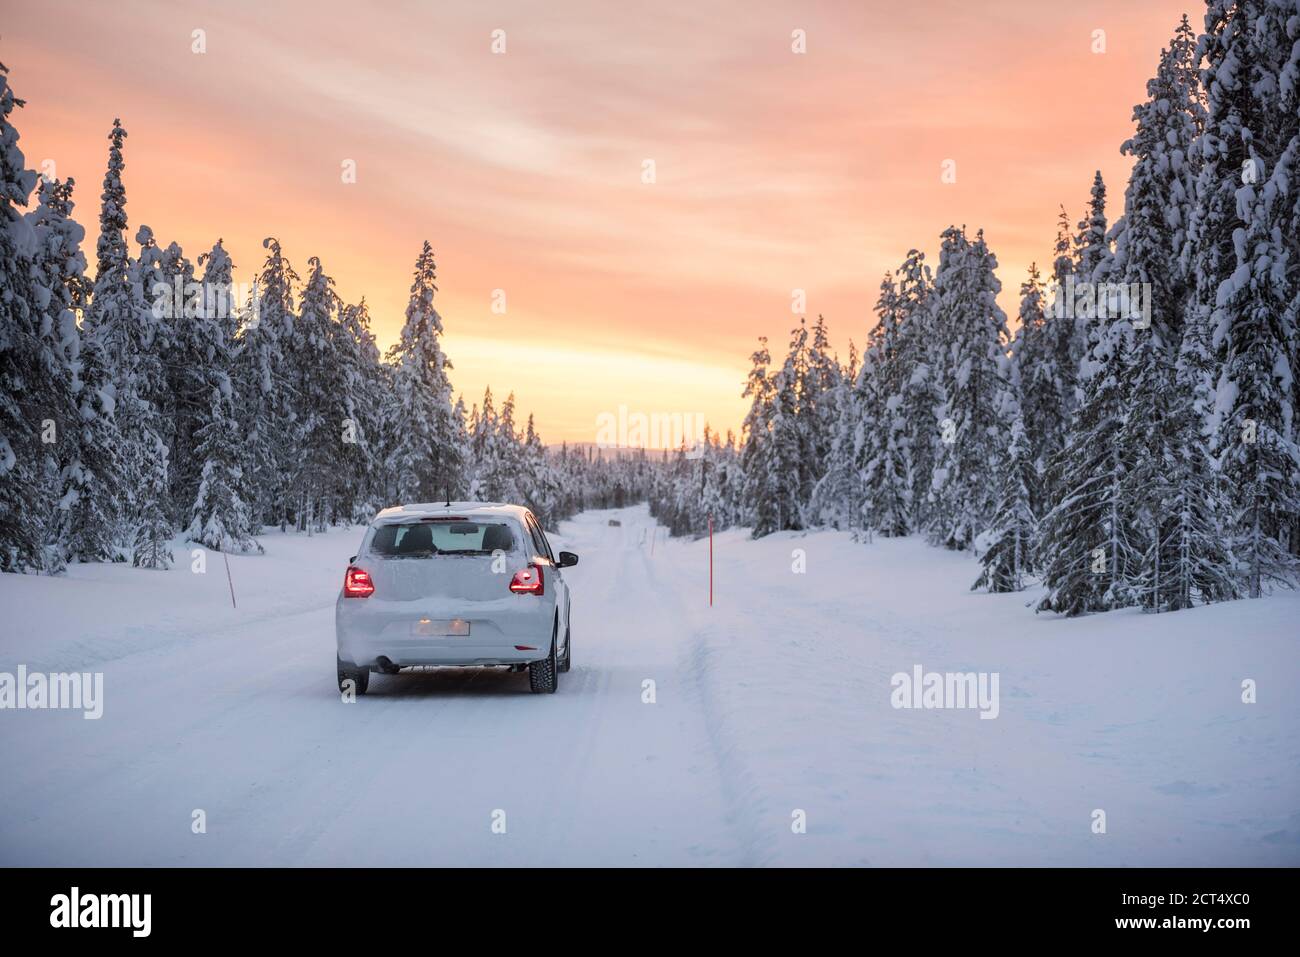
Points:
x=774, y=701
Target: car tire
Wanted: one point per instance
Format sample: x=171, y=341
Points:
x=360, y=677
x=567, y=663
x=544, y=675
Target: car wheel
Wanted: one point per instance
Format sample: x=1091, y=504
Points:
x=543, y=676
x=567, y=663
x=360, y=677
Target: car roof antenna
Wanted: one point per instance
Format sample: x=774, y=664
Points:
x=449, y=495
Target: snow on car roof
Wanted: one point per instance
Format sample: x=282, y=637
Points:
x=419, y=509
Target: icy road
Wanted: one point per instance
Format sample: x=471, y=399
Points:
x=756, y=732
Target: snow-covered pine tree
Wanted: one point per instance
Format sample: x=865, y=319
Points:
x=1036, y=374
x=152, y=525
x=263, y=384
x=220, y=514
x=1170, y=493
x=1161, y=187
x=425, y=457
x=789, y=475
x=1243, y=254
x=127, y=331
x=91, y=502
x=1006, y=549
x=918, y=374
x=880, y=452
x=191, y=362
x=756, y=451
x=495, y=452
x=1050, y=378
x=1091, y=243
x=1087, y=544
x=143, y=395
x=821, y=394
x=321, y=394
x=837, y=497
x=541, y=486
x=507, y=467
x=30, y=376
x=60, y=286
x=364, y=384
x=93, y=492
x=974, y=382
x=221, y=517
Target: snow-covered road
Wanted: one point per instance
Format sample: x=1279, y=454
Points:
x=776, y=701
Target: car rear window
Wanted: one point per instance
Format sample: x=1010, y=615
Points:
x=426, y=539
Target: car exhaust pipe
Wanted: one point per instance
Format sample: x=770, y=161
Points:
x=386, y=666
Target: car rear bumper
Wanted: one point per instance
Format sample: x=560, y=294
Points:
x=512, y=630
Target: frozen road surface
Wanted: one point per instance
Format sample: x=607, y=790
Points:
x=756, y=732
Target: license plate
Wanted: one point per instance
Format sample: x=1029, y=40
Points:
x=440, y=628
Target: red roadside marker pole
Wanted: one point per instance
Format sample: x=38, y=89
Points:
x=710, y=561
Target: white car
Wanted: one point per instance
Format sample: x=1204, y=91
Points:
x=461, y=583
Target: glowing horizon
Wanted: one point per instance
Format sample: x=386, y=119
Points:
x=775, y=171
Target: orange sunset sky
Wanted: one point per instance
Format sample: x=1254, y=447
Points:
x=774, y=170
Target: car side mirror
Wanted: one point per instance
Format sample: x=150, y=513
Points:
x=352, y=559
x=567, y=559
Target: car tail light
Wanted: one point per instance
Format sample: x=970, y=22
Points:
x=528, y=581
x=357, y=583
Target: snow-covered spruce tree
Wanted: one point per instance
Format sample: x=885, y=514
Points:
x=143, y=398
x=1091, y=244
x=1086, y=544
x=264, y=386
x=126, y=331
x=1006, y=549
x=495, y=453
x=974, y=382
x=1036, y=374
x=756, y=444
x=322, y=391
x=58, y=275
x=1049, y=376
x=1158, y=199
x=222, y=519
x=92, y=481
x=789, y=473
x=508, y=464
x=821, y=394
x=918, y=374
x=880, y=452
x=720, y=476
x=153, y=277
x=1243, y=250
x=29, y=370
x=152, y=525
x=193, y=359
x=542, y=491
x=837, y=496
x=1170, y=493
x=363, y=456
x=220, y=514
x=425, y=457
x=484, y=433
